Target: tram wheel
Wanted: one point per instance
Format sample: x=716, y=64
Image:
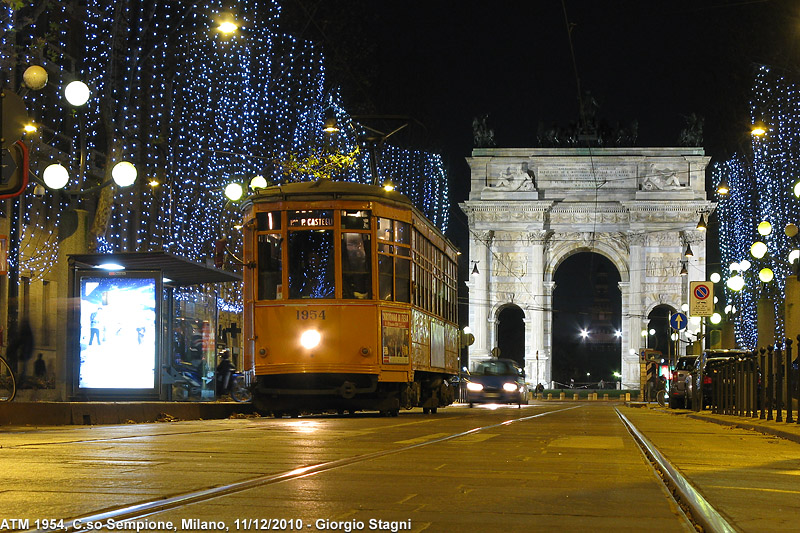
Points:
x=426, y=410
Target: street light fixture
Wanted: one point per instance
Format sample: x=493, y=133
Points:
x=55, y=176
x=77, y=93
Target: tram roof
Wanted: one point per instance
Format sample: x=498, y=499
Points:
x=179, y=270
x=325, y=188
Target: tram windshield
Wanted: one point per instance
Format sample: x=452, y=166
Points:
x=311, y=264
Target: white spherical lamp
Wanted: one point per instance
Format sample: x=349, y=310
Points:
x=77, y=93
x=55, y=176
x=124, y=174
x=233, y=191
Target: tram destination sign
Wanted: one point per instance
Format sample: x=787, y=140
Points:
x=310, y=219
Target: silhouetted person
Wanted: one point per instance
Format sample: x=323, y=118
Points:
x=20, y=346
x=224, y=370
x=40, y=368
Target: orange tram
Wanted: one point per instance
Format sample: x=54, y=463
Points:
x=350, y=301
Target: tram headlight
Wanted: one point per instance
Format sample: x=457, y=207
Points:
x=510, y=387
x=310, y=339
x=474, y=387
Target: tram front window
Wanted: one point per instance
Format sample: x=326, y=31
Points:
x=311, y=264
x=356, y=271
x=269, y=267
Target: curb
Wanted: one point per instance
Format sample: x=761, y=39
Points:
x=92, y=413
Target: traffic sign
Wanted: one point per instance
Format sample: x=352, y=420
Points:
x=678, y=321
x=701, y=298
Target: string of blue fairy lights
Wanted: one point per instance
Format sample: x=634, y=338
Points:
x=761, y=189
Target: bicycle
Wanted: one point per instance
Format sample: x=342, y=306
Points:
x=8, y=383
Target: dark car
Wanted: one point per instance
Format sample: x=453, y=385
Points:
x=698, y=383
x=677, y=389
x=496, y=381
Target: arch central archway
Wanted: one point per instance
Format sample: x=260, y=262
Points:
x=587, y=321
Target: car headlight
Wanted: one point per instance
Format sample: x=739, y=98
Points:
x=510, y=387
x=474, y=387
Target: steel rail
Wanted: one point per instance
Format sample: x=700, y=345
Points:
x=703, y=513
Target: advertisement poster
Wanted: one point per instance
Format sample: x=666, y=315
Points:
x=117, y=333
x=395, y=335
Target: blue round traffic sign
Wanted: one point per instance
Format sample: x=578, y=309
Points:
x=678, y=321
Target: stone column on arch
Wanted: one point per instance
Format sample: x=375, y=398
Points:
x=535, y=339
x=480, y=254
x=545, y=356
x=631, y=373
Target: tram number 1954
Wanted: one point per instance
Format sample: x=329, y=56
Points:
x=310, y=315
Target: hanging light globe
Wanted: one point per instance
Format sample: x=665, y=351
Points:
x=758, y=249
x=35, y=77
x=735, y=283
x=77, y=93
x=233, y=191
x=55, y=176
x=124, y=174
x=766, y=275
x=258, y=182
x=764, y=228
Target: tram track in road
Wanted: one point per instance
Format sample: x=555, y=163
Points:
x=697, y=510
x=144, y=509
x=689, y=505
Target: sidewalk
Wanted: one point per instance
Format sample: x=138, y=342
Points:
x=784, y=430
x=90, y=413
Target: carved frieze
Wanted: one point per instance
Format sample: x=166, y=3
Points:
x=663, y=266
x=663, y=238
x=509, y=264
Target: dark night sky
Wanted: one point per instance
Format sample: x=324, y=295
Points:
x=445, y=62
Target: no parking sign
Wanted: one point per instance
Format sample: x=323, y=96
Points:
x=701, y=298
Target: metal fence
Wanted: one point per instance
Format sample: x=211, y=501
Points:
x=761, y=384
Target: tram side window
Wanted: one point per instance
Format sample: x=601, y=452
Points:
x=385, y=277
x=402, y=268
x=269, y=267
x=311, y=264
x=356, y=266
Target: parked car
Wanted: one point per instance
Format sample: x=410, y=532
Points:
x=698, y=387
x=496, y=381
x=677, y=389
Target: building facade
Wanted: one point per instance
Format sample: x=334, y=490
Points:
x=530, y=209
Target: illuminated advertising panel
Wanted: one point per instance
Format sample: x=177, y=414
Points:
x=117, y=332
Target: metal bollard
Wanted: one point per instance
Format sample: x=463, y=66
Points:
x=740, y=386
x=763, y=395
x=788, y=383
x=778, y=384
x=770, y=386
x=752, y=397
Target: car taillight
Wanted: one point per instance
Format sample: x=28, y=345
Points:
x=706, y=380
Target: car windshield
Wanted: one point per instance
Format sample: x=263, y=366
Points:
x=685, y=363
x=496, y=368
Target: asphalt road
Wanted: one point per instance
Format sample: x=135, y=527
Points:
x=563, y=466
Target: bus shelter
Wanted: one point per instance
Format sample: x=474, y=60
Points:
x=139, y=328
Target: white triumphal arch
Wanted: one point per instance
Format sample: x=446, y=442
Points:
x=530, y=209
